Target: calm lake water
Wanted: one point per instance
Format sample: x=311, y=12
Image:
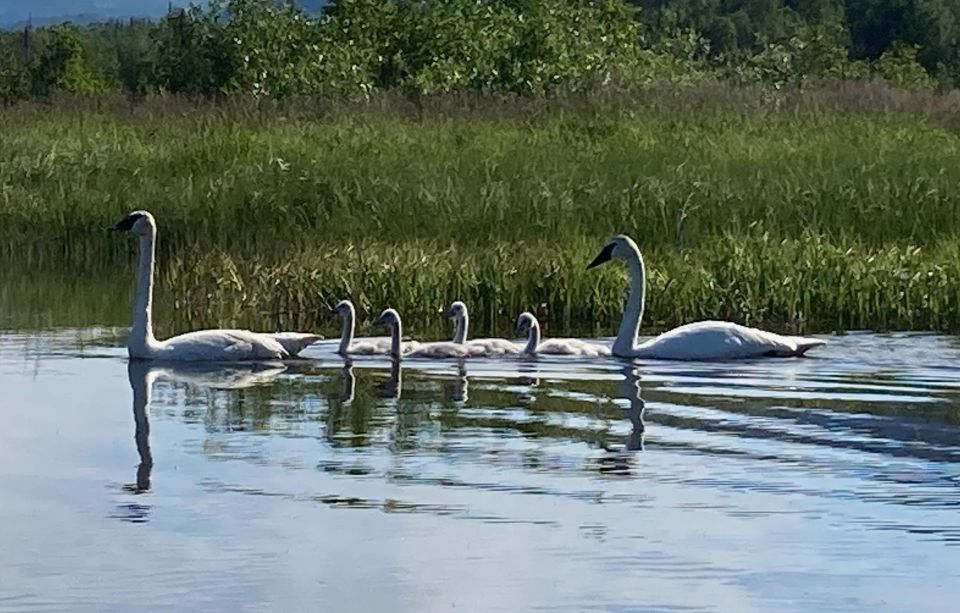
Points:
x=826, y=483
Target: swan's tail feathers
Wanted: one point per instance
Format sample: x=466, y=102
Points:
x=806, y=344
x=295, y=342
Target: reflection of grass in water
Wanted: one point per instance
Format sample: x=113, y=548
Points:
x=423, y=416
x=425, y=420
x=799, y=218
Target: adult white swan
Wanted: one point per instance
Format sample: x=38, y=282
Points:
x=487, y=346
x=703, y=340
x=528, y=324
x=366, y=346
x=391, y=319
x=204, y=345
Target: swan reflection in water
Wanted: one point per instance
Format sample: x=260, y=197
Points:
x=457, y=389
x=619, y=460
x=141, y=379
x=142, y=375
x=349, y=389
x=392, y=387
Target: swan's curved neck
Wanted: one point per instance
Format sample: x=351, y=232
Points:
x=141, y=335
x=460, y=332
x=633, y=310
x=397, y=334
x=533, y=339
x=346, y=332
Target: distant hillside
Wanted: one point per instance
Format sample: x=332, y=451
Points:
x=16, y=13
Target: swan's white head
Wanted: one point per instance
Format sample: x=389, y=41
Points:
x=457, y=310
x=526, y=321
x=620, y=247
x=344, y=308
x=389, y=318
x=140, y=223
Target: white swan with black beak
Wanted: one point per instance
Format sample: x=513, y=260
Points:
x=703, y=340
x=203, y=345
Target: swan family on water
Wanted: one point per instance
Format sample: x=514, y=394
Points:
x=704, y=340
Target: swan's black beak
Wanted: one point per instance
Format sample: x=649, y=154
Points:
x=605, y=255
x=126, y=224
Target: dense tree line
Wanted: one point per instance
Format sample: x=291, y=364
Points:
x=354, y=47
x=865, y=29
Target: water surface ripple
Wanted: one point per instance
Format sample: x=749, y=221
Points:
x=827, y=483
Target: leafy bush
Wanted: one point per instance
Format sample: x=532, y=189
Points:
x=268, y=48
x=900, y=66
x=193, y=55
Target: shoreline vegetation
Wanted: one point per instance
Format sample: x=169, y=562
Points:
x=785, y=165
x=800, y=211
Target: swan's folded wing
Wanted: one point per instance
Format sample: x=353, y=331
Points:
x=439, y=350
x=718, y=340
x=370, y=346
x=492, y=346
x=294, y=342
x=224, y=345
x=572, y=346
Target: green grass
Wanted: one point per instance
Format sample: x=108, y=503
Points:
x=797, y=217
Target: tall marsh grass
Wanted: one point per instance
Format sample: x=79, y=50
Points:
x=796, y=213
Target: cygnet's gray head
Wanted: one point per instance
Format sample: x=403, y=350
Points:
x=389, y=318
x=344, y=309
x=456, y=310
x=526, y=321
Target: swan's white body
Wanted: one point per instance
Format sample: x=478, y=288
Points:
x=555, y=346
x=478, y=346
x=365, y=346
x=391, y=319
x=203, y=345
x=703, y=340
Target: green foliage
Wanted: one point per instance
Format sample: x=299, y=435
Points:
x=747, y=206
x=900, y=66
x=192, y=54
x=60, y=65
x=272, y=49
x=14, y=77
x=811, y=56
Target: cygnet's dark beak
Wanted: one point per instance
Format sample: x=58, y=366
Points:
x=605, y=255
